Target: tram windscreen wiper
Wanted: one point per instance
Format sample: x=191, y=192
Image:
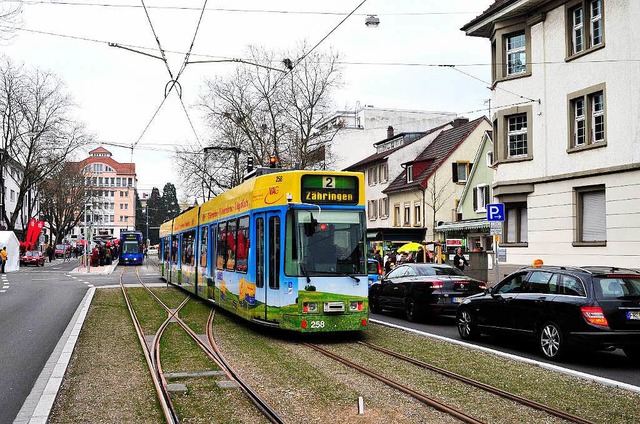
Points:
x=304, y=271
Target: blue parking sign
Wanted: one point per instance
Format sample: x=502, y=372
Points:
x=495, y=212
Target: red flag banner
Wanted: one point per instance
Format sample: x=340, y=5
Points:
x=38, y=225
x=30, y=228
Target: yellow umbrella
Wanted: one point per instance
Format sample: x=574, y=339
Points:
x=410, y=247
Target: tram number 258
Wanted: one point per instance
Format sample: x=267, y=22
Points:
x=317, y=324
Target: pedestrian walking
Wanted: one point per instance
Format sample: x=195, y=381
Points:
x=3, y=257
x=50, y=253
x=459, y=261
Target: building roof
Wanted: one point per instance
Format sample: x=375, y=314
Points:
x=120, y=168
x=383, y=155
x=435, y=154
x=496, y=6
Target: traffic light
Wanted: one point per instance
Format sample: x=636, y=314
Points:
x=272, y=162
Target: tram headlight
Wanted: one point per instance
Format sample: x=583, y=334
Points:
x=309, y=307
x=356, y=306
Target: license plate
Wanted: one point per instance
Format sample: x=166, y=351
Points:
x=457, y=299
x=634, y=315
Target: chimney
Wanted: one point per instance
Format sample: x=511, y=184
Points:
x=389, y=131
x=459, y=121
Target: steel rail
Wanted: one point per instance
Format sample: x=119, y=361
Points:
x=442, y=407
x=214, y=354
x=491, y=389
x=260, y=403
x=168, y=411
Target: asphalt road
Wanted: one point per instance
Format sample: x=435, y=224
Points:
x=612, y=365
x=36, y=305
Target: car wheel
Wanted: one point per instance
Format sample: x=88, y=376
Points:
x=375, y=306
x=632, y=352
x=552, y=344
x=467, y=327
x=411, y=310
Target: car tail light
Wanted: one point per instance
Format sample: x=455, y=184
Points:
x=594, y=315
x=437, y=285
x=380, y=269
x=482, y=285
x=356, y=306
x=309, y=307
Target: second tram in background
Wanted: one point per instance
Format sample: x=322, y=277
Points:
x=131, y=248
x=286, y=249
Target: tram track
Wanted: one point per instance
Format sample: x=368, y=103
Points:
x=210, y=349
x=436, y=404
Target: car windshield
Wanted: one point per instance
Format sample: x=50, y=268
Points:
x=60, y=246
x=613, y=287
x=326, y=242
x=32, y=253
x=427, y=270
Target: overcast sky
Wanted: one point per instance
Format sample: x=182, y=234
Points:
x=117, y=91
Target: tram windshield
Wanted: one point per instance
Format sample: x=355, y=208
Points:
x=326, y=242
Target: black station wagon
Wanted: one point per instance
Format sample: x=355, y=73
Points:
x=590, y=307
x=422, y=289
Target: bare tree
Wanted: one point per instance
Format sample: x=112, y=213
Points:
x=437, y=193
x=38, y=135
x=10, y=18
x=259, y=111
x=66, y=196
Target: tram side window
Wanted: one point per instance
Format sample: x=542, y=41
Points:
x=213, y=236
x=188, y=245
x=222, y=245
x=174, y=249
x=242, y=244
x=166, y=244
x=204, y=233
x=259, y=252
x=274, y=252
x=232, y=237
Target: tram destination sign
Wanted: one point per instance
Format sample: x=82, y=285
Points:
x=324, y=189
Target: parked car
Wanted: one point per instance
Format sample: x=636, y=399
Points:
x=62, y=249
x=419, y=289
x=32, y=257
x=560, y=307
x=374, y=271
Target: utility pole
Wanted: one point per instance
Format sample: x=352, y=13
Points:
x=147, y=213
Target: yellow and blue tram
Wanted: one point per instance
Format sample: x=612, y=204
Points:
x=286, y=249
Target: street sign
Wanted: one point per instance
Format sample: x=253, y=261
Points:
x=495, y=224
x=502, y=255
x=495, y=212
x=496, y=231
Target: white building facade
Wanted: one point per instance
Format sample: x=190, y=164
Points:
x=358, y=129
x=568, y=161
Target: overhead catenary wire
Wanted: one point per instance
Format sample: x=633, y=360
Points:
x=236, y=10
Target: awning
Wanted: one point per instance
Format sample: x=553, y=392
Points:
x=457, y=227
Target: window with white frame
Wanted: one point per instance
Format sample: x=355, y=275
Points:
x=384, y=173
x=384, y=207
x=461, y=171
x=481, y=197
x=409, y=172
x=516, y=53
x=591, y=214
x=372, y=209
x=516, y=223
x=417, y=213
x=585, y=26
x=587, y=113
x=97, y=168
x=489, y=159
x=407, y=214
x=372, y=173
x=517, y=135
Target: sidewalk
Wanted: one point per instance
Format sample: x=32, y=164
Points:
x=95, y=270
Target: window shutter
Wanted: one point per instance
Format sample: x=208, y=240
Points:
x=454, y=165
x=487, y=197
x=475, y=198
x=594, y=225
x=470, y=168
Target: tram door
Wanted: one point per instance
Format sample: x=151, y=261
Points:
x=268, y=253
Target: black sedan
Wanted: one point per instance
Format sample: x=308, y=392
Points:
x=419, y=289
x=560, y=307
